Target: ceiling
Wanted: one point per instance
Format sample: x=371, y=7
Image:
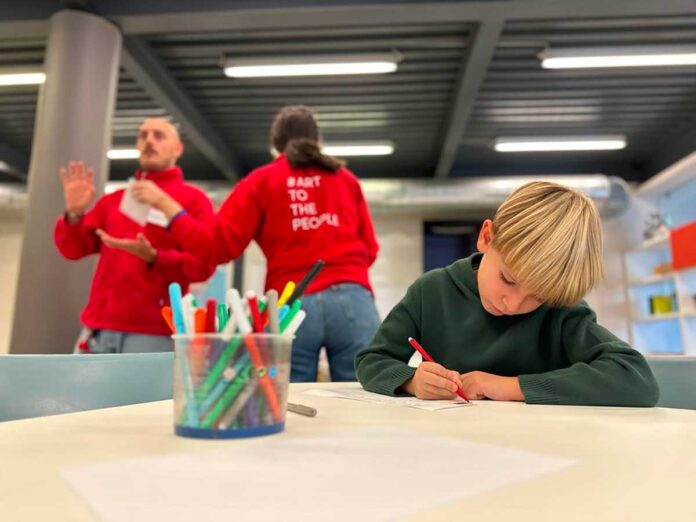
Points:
x=469, y=74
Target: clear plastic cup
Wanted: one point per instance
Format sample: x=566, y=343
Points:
x=229, y=388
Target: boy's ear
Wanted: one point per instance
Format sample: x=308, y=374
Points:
x=485, y=237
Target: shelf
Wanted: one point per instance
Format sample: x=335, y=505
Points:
x=655, y=243
x=652, y=279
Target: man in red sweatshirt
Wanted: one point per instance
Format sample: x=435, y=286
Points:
x=136, y=262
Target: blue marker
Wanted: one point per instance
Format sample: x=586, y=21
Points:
x=282, y=312
x=177, y=311
x=175, y=301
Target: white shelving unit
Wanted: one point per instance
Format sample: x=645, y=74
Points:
x=671, y=192
x=673, y=332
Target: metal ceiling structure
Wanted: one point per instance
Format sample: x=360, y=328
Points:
x=470, y=73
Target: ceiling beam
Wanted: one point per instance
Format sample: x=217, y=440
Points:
x=149, y=72
x=230, y=20
x=13, y=162
x=24, y=29
x=444, y=12
x=471, y=76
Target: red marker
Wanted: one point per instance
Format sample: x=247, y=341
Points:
x=427, y=357
x=210, y=312
x=256, y=320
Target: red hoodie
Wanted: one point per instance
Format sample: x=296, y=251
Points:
x=296, y=216
x=127, y=293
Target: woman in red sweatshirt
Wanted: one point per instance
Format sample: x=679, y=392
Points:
x=301, y=207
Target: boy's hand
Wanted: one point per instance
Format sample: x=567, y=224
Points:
x=482, y=385
x=432, y=381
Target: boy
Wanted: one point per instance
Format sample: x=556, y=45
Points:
x=507, y=323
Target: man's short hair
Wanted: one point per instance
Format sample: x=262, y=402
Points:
x=170, y=125
x=550, y=238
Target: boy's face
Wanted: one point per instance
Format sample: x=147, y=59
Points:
x=500, y=292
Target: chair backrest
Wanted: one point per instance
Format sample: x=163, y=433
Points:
x=38, y=385
x=676, y=376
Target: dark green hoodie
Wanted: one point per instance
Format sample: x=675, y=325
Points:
x=561, y=355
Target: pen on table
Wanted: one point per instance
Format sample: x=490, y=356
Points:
x=427, y=357
x=304, y=283
x=307, y=411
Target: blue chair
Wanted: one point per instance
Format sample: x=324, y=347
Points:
x=38, y=385
x=676, y=376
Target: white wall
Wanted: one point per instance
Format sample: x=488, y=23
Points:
x=11, y=230
x=400, y=258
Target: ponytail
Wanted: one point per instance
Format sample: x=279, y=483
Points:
x=305, y=152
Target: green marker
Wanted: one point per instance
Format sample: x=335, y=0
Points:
x=222, y=361
x=222, y=316
x=291, y=313
x=227, y=398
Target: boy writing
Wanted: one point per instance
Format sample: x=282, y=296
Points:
x=508, y=323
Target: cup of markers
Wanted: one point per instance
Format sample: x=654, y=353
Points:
x=232, y=362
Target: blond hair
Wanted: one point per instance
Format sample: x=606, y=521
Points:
x=550, y=238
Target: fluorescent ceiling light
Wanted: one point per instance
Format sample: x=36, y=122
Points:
x=22, y=78
x=122, y=154
x=348, y=115
x=550, y=144
x=536, y=114
x=544, y=118
x=266, y=67
x=382, y=148
x=534, y=110
x=588, y=57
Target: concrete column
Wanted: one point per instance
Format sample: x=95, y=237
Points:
x=73, y=121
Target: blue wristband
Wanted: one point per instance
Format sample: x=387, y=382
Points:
x=175, y=217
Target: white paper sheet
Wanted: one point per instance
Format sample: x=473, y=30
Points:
x=367, y=474
x=135, y=210
x=358, y=394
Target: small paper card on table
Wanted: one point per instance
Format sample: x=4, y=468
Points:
x=358, y=394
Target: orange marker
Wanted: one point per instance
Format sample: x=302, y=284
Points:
x=168, y=318
x=264, y=379
x=199, y=317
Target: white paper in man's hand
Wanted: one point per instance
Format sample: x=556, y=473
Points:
x=133, y=209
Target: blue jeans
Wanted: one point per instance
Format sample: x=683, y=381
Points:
x=343, y=319
x=110, y=341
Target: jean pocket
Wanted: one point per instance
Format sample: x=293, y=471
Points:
x=357, y=307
